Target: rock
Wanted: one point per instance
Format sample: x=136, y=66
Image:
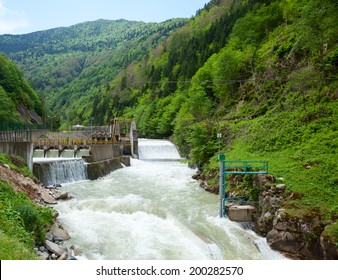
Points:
x=64, y=196
x=75, y=251
x=280, y=187
x=279, y=221
x=47, y=198
x=43, y=255
x=54, y=248
x=261, y=180
x=197, y=176
x=312, y=249
x=57, y=240
x=63, y=257
x=58, y=232
x=42, y=249
x=61, y=233
x=284, y=241
x=50, y=187
x=275, y=201
x=330, y=250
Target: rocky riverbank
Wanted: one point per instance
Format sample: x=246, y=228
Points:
x=53, y=247
x=297, y=233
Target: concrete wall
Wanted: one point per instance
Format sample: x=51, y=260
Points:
x=99, y=169
x=22, y=149
x=102, y=152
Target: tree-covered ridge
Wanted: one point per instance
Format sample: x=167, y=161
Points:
x=69, y=65
x=17, y=96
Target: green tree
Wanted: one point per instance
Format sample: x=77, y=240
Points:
x=318, y=28
x=8, y=112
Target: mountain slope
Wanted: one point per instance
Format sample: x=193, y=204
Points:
x=19, y=102
x=69, y=65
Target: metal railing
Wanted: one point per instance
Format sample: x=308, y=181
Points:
x=236, y=167
x=246, y=167
x=70, y=142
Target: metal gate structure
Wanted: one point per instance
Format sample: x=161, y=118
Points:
x=236, y=167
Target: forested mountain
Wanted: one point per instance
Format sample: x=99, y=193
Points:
x=19, y=103
x=70, y=65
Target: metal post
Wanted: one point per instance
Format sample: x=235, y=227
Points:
x=221, y=185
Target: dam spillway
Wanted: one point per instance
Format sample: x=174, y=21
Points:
x=59, y=170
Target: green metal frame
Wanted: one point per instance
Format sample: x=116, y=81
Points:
x=236, y=167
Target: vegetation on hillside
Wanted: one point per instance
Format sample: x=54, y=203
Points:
x=16, y=94
x=72, y=66
x=22, y=222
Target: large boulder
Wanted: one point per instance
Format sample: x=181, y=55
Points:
x=54, y=248
x=59, y=232
x=285, y=241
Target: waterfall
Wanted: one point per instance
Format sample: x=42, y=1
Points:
x=61, y=171
x=157, y=150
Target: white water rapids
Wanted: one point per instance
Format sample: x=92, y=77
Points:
x=153, y=210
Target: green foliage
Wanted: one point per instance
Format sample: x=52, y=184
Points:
x=15, y=92
x=22, y=220
x=7, y=108
x=13, y=249
x=17, y=163
x=331, y=232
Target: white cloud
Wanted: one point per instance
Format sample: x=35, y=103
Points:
x=10, y=20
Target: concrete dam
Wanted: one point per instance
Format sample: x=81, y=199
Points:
x=57, y=157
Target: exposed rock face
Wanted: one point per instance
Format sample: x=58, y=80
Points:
x=296, y=236
x=270, y=200
x=202, y=180
x=300, y=234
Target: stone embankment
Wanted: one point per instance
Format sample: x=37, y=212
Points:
x=297, y=233
x=54, y=247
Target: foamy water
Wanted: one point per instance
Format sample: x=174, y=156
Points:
x=152, y=210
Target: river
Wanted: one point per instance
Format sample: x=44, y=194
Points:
x=154, y=210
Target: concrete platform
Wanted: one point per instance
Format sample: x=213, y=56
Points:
x=241, y=213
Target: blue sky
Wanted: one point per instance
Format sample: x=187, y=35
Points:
x=25, y=16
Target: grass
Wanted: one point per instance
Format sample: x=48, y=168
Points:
x=17, y=163
x=13, y=249
x=300, y=143
x=22, y=222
